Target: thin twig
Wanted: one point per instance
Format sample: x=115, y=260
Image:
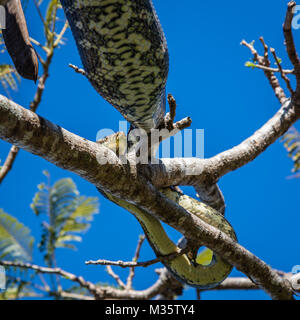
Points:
x=283, y=75
x=110, y=271
x=264, y=61
x=169, y=118
x=266, y=51
x=60, y=35
x=284, y=71
x=41, y=84
x=135, y=259
x=37, y=43
x=77, y=296
x=13, y=152
x=164, y=282
x=39, y=12
x=134, y=264
x=77, y=70
x=56, y=271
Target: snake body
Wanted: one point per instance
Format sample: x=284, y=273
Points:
x=125, y=57
x=124, y=54
x=208, y=269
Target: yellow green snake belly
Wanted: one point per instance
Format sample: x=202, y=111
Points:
x=125, y=57
x=209, y=269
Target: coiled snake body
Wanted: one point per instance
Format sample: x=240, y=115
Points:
x=125, y=57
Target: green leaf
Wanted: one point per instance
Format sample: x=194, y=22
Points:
x=50, y=18
x=68, y=214
x=291, y=141
x=16, y=243
x=250, y=64
x=9, y=77
x=279, y=60
x=17, y=287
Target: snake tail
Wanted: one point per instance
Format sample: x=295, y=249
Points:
x=17, y=41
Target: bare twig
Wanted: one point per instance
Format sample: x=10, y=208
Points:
x=135, y=264
x=46, y=49
x=8, y=162
x=164, y=282
x=110, y=271
x=67, y=275
x=169, y=119
x=41, y=84
x=77, y=70
x=60, y=35
x=135, y=259
x=264, y=62
x=76, y=296
x=266, y=51
x=283, y=75
x=258, y=66
x=39, y=12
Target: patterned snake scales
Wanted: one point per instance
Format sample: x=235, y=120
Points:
x=125, y=57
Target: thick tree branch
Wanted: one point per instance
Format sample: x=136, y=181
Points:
x=126, y=181
x=68, y=151
x=252, y=147
x=193, y=171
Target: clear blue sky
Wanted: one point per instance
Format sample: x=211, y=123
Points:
x=229, y=101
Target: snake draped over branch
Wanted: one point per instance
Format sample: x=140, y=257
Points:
x=125, y=57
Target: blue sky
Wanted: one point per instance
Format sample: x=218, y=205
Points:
x=211, y=85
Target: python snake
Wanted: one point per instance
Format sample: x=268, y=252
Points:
x=125, y=57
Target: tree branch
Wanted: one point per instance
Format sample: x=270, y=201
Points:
x=164, y=282
x=101, y=167
x=252, y=147
x=13, y=152
x=203, y=172
x=84, y=284
x=71, y=152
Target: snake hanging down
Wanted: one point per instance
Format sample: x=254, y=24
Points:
x=125, y=57
x=17, y=41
